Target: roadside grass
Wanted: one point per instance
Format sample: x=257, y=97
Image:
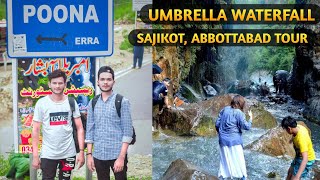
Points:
x=123, y=12
x=3, y=10
x=125, y=44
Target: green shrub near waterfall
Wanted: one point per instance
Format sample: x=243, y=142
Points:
x=271, y=58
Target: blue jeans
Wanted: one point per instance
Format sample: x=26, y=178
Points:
x=139, y=59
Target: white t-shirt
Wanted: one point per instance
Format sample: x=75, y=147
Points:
x=57, y=128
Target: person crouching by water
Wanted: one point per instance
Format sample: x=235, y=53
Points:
x=302, y=164
x=229, y=125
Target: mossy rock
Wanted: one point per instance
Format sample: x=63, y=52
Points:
x=262, y=118
x=206, y=127
x=177, y=121
x=155, y=134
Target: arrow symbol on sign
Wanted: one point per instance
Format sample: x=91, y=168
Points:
x=40, y=39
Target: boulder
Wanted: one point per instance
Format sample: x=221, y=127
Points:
x=181, y=169
x=209, y=90
x=312, y=111
x=276, y=142
x=316, y=170
x=199, y=118
x=262, y=118
x=179, y=120
x=241, y=87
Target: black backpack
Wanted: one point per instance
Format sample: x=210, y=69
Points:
x=117, y=102
x=84, y=124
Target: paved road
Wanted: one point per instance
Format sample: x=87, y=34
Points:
x=135, y=84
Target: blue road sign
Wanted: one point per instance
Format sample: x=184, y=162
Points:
x=59, y=28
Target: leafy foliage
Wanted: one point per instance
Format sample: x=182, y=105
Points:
x=123, y=11
x=271, y=58
x=2, y=9
x=125, y=44
x=4, y=165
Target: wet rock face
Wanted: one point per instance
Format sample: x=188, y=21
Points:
x=305, y=77
x=276, y=142
x=199, y=118
x=181, y=169
x=242, y=87
x=312, y=110
x=279, y=99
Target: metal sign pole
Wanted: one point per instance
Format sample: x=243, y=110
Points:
x=33, y=172
x=135, y=20
x=97, y=91
x=15, y=103
x=88, y=174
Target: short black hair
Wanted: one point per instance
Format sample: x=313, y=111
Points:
x=57, y=73
x=288, y=122
x=107, y=69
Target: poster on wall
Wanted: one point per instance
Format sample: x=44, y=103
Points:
x=32, y=84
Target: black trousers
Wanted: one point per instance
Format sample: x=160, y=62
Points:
x=49, y=168
x=103, y=169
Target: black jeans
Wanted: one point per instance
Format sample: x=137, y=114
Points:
x=103, y=169
x=49, y=168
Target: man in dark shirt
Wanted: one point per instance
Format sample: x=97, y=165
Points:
x=160, y=91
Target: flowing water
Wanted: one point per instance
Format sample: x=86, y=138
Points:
x=204, y=152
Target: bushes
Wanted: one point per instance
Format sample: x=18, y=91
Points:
x=125, y=44
x=4, y=165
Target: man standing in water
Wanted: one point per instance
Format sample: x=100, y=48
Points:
x=302, y=164
x=53, y=112
x=109, y=133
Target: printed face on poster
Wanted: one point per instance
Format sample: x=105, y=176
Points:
x=33, y=85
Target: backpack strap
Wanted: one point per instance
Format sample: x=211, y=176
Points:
x=117, y=102
x=94, y=101
x=72, y=106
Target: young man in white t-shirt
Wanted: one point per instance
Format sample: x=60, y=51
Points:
x=53, y=112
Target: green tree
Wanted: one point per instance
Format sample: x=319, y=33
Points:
x=271, y=58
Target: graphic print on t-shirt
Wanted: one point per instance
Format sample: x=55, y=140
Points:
x=58, y=118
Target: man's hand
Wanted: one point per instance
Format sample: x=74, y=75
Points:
x=90, y=163
x=250, y=114
x=118, y=164
x=36, y=162
x=80, y=159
